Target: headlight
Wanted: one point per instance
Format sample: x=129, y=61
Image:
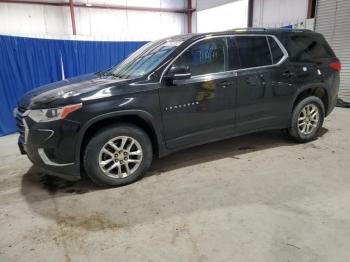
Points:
x=52, y=114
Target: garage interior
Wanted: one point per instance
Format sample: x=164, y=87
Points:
x=258, y=197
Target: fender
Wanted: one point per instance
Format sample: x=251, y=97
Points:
x=140, y=113
x=304, y=88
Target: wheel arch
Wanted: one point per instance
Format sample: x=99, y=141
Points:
x=139, y=118
x=317, y=90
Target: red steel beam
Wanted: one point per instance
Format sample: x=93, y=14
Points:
x=310, y=7
x=99, y=6
x=33, y=2
x=189, y=16
x=250, y=12
x=72, y=16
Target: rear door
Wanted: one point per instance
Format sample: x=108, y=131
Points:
x=261, y=91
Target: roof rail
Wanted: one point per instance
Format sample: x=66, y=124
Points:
x=260, y=29
x=264, y=29
x=302, y=30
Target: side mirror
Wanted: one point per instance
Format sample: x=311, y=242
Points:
x=179, y=73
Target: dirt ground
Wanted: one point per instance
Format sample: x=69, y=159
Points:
x=253, y=198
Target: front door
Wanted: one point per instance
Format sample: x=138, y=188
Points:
x=201, y=108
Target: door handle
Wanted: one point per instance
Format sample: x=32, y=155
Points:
x=262, y=79
x=225, y=84
x=249, y=82
x=288, y=74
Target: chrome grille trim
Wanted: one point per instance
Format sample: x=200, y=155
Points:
x=47, y=160
x=22, y=127
x=26, y=131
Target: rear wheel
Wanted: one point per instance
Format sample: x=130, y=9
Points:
x=118, y=155
x=307, y=119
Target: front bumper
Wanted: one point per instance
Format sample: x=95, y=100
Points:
x=50, y=146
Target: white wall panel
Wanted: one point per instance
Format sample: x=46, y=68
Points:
x=94, y=24
x=57, y=20
x=206, y=4
x=223, y=17
x=178, y=4
x=149, y=22
x=275, y=13
x=22, y=19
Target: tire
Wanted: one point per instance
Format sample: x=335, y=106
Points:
x=306, y=108
x=109, y=147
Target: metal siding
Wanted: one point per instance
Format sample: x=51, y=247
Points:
x=333, y=21
x=206, y=4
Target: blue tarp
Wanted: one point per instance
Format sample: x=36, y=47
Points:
x=26, y=63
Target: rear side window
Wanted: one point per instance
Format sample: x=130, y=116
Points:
x=276, y=51
x=308, y=47
x=253, y=51
x=233, y=54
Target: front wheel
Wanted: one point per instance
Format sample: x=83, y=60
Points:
x=307, y=119
x=118, y=155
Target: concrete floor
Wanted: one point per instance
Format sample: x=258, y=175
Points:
x=253, y=198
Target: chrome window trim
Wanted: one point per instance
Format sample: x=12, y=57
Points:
x=268, y=44
x=236, y=71
x=207, y=77
x=281, y=46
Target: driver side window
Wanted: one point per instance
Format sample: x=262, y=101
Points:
x=205, y=57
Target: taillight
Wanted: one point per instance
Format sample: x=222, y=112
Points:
x=336, y=66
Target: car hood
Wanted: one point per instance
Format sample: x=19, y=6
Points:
x=53, y=93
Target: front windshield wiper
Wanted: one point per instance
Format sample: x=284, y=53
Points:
x=106, y=73
x=100, y=73
x=112, y=74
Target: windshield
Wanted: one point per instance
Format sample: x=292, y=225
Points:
x=144, y=60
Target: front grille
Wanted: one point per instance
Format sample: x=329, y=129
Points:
x=21, y=109
x=19, y=114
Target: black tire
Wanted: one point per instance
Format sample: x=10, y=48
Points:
x=294, y=131
x=98, y=141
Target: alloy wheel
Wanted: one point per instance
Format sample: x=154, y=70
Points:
x=120, y=157
x=308, y=119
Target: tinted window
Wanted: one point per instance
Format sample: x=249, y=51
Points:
x=308, y=48
x=204, y=57
x=144, y=60
x=276, y=51
x=253, y=51
x=233, y=60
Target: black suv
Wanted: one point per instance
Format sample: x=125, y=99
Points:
x=176, y=93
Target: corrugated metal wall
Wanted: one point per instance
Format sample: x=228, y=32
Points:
x=333, y=21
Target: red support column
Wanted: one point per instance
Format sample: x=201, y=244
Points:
x=71, y=7
x=189, y=16
x=250, y=13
